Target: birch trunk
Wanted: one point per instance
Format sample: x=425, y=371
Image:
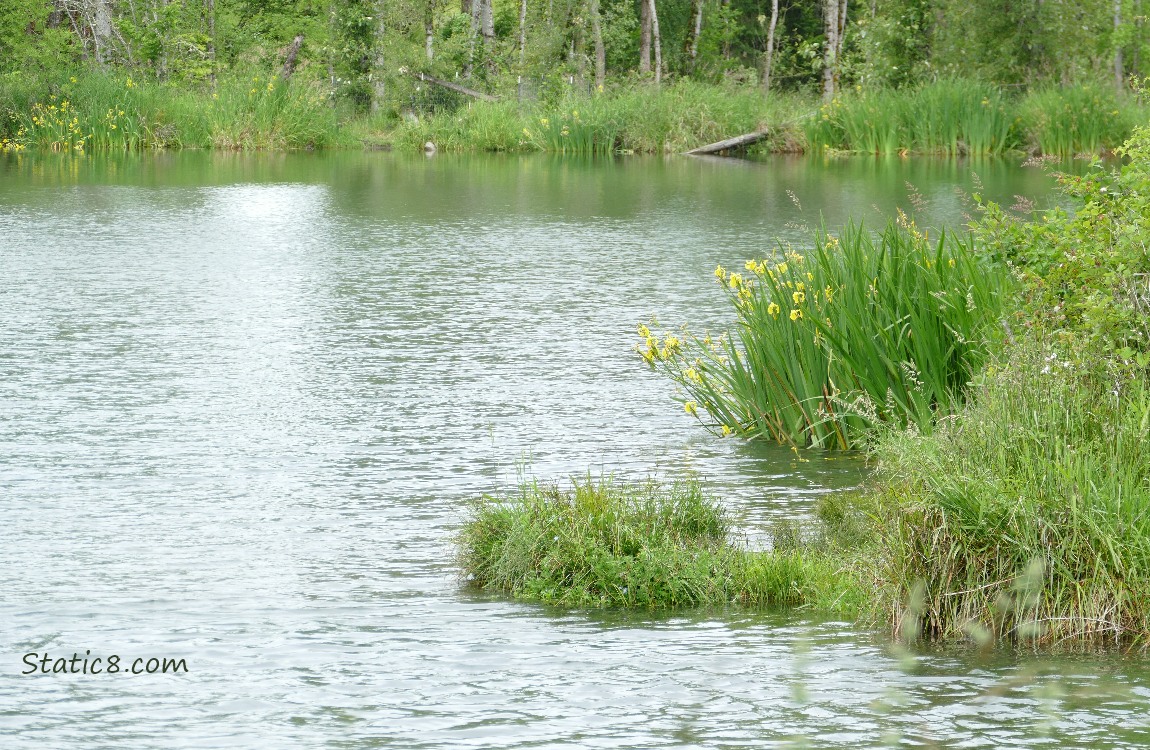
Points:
x=770, y=45
x=486, y=24
x=100, y=23
x=522, y=32
x=600, y=50
x=644, y=37
x=211, y=8
x=658, y=43
x=472, y=8
x=693, y=47
x=377, y=81
x=834, y=24
x=1119, y=64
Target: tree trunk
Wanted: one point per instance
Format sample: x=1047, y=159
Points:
x=377, y=81
x=730, y=144
x=726, y=37
x=486, y=24
x=696, y=31
x=770, y=45
x=1119, y=65
x=101, y=26
x=658, y=43
x=472, y=8
x=522, y=32
x=56, y=17
x=429, y=30
x=834, y=24
x=600, y=50
x=644, y=37
x=1138, y=20
x=289, y=58
x=211, y=8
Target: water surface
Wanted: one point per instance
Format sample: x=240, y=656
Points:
x=244, y=401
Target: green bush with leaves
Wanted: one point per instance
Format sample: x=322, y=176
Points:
x=1087, y=272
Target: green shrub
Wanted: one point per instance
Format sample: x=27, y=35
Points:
x=858, y=331
x=1028, y=515
x=1087, y=272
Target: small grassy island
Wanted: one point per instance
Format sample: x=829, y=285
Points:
x=999, y=385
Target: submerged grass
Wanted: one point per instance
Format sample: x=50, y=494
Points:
x=605, y=543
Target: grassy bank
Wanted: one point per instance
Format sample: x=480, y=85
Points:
x=603, y=543
x=957, y=117
x=952, y=117
x=672, y=118
x=95, y=111
x=1028, y=517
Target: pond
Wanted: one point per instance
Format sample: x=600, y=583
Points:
x=245, y=400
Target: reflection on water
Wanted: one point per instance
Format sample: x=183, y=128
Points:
x=244, y=401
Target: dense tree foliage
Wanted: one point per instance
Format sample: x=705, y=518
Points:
x=370, y=49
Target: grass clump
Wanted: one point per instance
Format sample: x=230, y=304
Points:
x=604, y=543
x=1028, y=517
x=856, y=332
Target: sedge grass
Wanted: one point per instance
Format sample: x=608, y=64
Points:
x=856, y=332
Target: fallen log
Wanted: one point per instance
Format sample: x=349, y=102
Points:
x=738, y=141
x=457, y=87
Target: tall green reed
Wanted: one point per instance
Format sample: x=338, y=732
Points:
x=1071, y=120
x=951, y=116
x=858, y=331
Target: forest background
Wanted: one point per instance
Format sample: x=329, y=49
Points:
x=373, y=56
